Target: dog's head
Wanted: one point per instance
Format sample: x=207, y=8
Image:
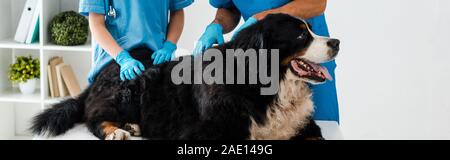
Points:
x=301, y=51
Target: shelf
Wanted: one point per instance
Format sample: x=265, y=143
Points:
x=11, y=44
x=81, y=48
x=16, y=109
x=16, y=97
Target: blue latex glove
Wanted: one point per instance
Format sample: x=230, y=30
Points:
x=250, y=21
x=164, y=54
x=129, y=67
x=213, y=35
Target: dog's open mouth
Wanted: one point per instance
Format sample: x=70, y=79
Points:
x=309, y=70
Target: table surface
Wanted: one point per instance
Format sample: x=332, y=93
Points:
x=330, y=131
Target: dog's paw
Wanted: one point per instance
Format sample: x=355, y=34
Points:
x=118, y=134
x=134, y=129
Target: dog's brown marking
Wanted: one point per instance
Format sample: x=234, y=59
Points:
x=109, y=127
x=288, y=114
x=303, y=26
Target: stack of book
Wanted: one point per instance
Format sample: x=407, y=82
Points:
x=62, y=81
x=28, y=28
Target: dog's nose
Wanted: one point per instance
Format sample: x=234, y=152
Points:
x=334, y=44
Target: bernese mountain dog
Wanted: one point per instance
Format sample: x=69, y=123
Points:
x=153, y=107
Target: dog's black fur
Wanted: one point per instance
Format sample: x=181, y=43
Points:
x=168, y=111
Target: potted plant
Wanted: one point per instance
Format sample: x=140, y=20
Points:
x=25, y=72
x=69, y=29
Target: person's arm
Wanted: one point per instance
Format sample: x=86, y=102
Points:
x=129, y=67
x=102, y=36
x=175, y=28
x=300, y=8
x=228, y=18
x=176, y=25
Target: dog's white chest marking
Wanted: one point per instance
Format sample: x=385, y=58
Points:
x=288, y=114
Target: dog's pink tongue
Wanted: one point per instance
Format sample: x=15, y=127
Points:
x=322, y=69
x=326, y=73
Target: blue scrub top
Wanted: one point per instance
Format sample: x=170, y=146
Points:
x=324, y=96
x=138, y=23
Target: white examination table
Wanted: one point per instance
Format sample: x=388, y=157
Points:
x=330, y=131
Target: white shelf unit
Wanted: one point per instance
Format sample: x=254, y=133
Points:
x=16, y=110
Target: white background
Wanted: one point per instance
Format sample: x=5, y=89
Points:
x=394, y=68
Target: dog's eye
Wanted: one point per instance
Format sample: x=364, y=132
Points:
x=302, y=36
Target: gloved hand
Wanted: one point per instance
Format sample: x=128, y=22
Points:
x=164, y=54
x=129, y=67
x=247, y=23
x=213, y=34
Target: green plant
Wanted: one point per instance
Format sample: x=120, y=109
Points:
x=69, y=29
x=24, y=69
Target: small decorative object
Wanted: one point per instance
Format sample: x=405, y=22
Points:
x=25, y=72
x=69, y=29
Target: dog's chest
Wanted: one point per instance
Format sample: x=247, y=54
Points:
x=286, y=116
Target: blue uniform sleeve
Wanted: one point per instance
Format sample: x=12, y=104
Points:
x=221, y=3
x=179, y=4
x=96, y=6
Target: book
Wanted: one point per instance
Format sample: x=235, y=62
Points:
x=63, y=92
x=35, y=36
x=33, y=32
x=25, y=21
x=53, y=62
x=70, y=80
x=50, y=82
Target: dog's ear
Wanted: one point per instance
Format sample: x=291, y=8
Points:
x=250, y=37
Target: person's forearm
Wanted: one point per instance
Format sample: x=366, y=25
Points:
x=176, y=26
x=227, y=17
x=102, y=35
x=300, y=8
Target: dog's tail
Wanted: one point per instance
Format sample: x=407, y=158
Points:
x=61, y=117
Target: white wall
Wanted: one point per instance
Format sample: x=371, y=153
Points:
x=394, y=67
x=198, y=16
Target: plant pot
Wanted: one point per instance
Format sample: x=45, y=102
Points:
x=28, y=87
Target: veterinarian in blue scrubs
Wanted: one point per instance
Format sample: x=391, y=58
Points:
x=324, y=96
x=119, y=26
